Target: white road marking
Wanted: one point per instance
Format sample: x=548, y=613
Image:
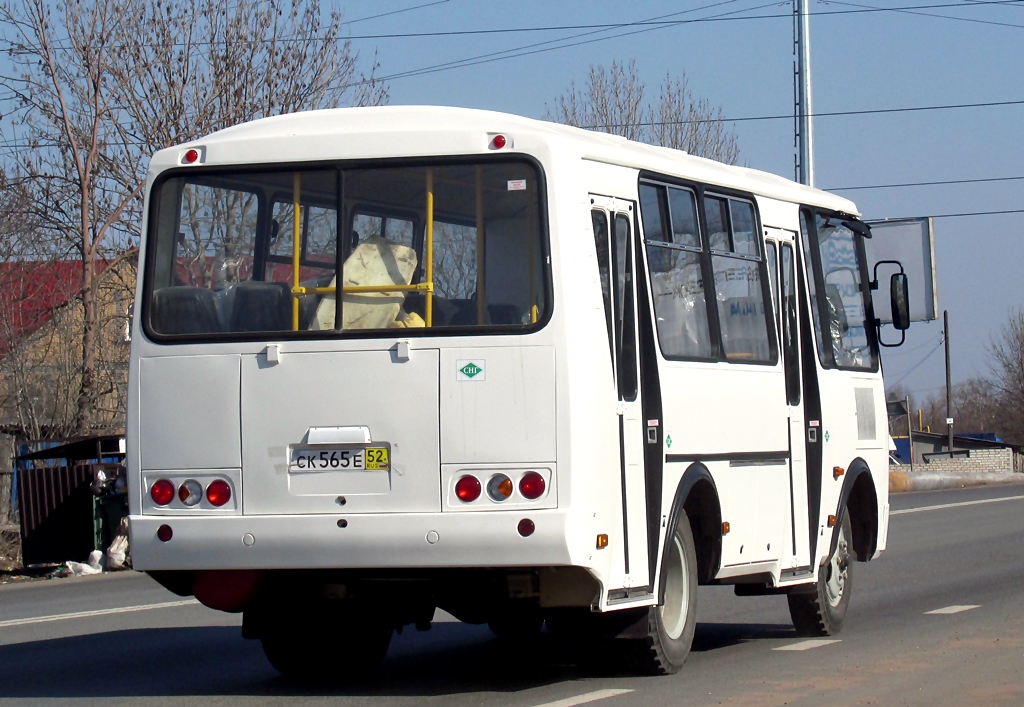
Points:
x=954, y=505
x=955, y=609
x=96, y=612
x=807, y=645
x=585, y=698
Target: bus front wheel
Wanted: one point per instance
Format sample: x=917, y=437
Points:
x=670, y=626
x=821, y=612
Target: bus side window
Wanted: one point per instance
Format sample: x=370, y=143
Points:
x=736, y=261
x=675, y=269
x=771, y=251
x=599, y=220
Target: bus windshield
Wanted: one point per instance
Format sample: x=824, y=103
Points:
x=238, y=252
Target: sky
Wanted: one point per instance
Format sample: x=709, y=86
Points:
x=739, y=55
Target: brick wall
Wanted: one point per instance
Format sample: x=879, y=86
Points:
x=980, y=460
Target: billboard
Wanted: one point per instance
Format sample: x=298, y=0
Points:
x=911, y=242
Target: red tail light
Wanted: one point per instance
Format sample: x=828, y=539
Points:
x=162, y=492
x=467, y=489
x=532, y=485
x=218, y=493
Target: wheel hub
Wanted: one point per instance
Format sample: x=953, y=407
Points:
x=677, y=591
x=838, y=570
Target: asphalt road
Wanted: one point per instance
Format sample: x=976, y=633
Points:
x=947, y=550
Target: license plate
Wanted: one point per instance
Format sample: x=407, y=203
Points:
x=308, y=459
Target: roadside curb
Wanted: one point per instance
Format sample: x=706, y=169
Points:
x=901, y=481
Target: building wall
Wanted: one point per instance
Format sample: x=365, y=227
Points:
x=979, y=461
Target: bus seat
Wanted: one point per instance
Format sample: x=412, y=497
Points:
x=504, y=314
x=261, y=306
x=375, y=261
x=184, y=310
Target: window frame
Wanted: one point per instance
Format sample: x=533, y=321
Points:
x=819, y=313
x=212, y=175
x=706, y=254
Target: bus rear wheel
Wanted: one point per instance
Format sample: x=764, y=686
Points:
x=333, y=645
x=670, y=626
x=822, y=611
x=518, y=621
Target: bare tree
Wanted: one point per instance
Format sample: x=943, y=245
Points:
x=1006, y=352
x=613, y=102
x=99, y=86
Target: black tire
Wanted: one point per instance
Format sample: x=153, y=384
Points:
x=821, y=612
x=670, y=626
x=517, y=623
x=333, y=645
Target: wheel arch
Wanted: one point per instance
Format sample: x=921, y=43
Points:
x=859, y=498
x=697, y=496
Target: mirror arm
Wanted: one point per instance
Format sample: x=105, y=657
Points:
x=878, y=332
x=874, y=273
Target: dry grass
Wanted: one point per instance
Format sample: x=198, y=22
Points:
x=10, y=548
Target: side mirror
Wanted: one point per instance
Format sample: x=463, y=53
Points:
x=899, y=294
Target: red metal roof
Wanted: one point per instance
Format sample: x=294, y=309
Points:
x=31, y=292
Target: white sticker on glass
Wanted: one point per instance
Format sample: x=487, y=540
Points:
x=516, y=184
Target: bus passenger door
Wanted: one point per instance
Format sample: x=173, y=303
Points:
x=786, y=303
x=613, y=233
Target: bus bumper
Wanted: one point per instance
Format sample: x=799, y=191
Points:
x=386, y=540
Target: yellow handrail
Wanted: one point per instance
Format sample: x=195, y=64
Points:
x=481, y=312
x=296, y=249
x=427, y=287
x=429, y=247
x=300, y=291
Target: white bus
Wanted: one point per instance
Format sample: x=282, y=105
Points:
x=565, y=377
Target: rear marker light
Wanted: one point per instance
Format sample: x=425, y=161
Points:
x=602, y=541
x=191, y=156
x=467, y=489
x=532, y=485
x=500, y=487
x=190, y=493
x=218, y=493
x=165, y=533
x=162, y=492
x=526, y=527
x=499, y=142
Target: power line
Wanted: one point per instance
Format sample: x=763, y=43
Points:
x=916, y=365
x=789, y=116
x=969, y=213
x=913, y=11
x=925, y=184
x=396, y=12
x=512, y=53
x=661, y=23
x=530, y=49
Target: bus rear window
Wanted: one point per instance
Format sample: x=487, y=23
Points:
x=440, y=246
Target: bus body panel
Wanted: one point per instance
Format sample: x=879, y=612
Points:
x=283, y=404
x=544, y=400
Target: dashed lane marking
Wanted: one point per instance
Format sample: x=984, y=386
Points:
x=585, y=698
x=955, y=609
x=95, y=612
x=955, y=505
x=807, y=645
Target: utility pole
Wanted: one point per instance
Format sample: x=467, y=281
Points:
x=949, y=385
x=804, y=142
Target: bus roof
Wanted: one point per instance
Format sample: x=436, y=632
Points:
x=415, y=131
